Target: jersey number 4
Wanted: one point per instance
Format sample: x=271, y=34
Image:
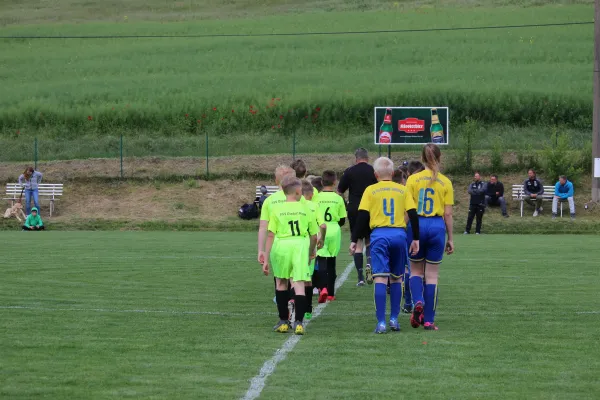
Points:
x=295, y=227
x=426, y=201
x=389, y=213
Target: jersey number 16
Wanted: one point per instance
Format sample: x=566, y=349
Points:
x=426, y=201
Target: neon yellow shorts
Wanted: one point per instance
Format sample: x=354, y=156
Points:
x=289, y=259
x=333, y=241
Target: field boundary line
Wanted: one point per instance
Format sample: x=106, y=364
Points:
x=257, y=384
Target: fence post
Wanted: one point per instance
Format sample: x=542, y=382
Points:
x=35, y=152
x=207, y=171
x=379, y=150
x=390, y=151
x=121, y=156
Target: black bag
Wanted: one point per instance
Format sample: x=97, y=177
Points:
x=248, y=211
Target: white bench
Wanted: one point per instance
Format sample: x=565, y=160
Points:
x=50, y=191
x=518, y=194
x=270, y=190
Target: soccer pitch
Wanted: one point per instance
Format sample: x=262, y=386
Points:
x=189, y=315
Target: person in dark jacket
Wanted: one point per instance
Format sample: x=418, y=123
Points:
x=477, y=190
x=494, y=195
x=533, y=190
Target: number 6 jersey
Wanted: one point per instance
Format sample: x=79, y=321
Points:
x=430, y=197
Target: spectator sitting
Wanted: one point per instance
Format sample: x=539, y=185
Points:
x=533, y=190
x=494, y=195
x=33, y=221
x=260, y=200
x=563, y=191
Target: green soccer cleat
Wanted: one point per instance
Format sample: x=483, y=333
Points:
x=282, y=327
x=308, y=316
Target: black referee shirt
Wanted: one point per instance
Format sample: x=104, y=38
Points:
x=355, y=180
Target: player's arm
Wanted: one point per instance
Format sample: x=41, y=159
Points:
x=322, y=234
x=448, y=220
x=343, y=184
x=313, y=245
x=269, y=246
x=262, y=230
x=414, y=225
x=361, y=230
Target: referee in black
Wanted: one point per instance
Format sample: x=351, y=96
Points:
x=355, y=180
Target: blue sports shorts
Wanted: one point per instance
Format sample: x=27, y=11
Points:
x=432, y=240
x=388, y=252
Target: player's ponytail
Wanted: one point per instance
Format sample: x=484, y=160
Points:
x=431, y=158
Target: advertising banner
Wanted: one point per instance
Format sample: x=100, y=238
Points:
x=412, y=125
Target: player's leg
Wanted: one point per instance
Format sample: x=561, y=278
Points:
x=322, y=261
x=281, y=265
x=433, y=257
x=358, y=254
x=301, y=278
x=308, y=287
x=367, y=251
x=381, y=272
x=397, y=261
x=407, y=308
x=331, y=277
x=332, y=245
x=417, y=273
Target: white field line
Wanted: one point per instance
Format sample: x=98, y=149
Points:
x=257, y=384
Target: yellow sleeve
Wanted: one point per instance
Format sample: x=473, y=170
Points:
x=272, y=224
x=319, y=217
x=409, y=202
x=313, y=228
x=409, y=188
x=365, y=202
x=449, y=197
x=342, y=208
x=265, y=210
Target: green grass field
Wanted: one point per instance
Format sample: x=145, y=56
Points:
x=155, y=315
x=92, y=87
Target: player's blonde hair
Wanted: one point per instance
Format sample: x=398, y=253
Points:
x=384, y=168
x=281, y=172
x=290, y=183
x=431, y=157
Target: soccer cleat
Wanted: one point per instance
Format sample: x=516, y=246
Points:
x=380, y=328
x=416, y=317
x=407, y=308
x=330, y=298
x=299, y=329
x=308, y=316
x=323, y=296
x=430, y=327
x=291, y=310
x=360, y=284
x=282, y=327
x=369, y=274
x=394, y=325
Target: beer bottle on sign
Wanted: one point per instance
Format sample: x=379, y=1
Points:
x=386, y=129
x=437, y=130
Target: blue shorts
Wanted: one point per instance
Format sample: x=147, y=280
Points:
x=388, y=252
x=432, y=240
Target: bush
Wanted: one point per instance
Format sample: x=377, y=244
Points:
x=497, y=157
x=528, y=158
x=464, y=158
x=560, y=159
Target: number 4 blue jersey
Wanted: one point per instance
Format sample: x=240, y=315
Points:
x=430, y=197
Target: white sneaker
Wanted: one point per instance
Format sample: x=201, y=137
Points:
x=315, y=291
x=535, y=214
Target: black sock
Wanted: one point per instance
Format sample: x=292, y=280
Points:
x=322, y=272
x=331, y=276
x=282, y=297
x=315, y=281
x=358, y=263
x=300, y=307
x=309, y=298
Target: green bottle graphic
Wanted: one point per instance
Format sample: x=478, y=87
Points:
x=386, y=129
x=437, y=130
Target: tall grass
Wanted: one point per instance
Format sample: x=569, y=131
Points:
x=77, y=87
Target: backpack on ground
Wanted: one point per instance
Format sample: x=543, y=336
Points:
x=248, y=211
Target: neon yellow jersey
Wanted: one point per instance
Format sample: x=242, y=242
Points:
x=386, y=202
x=276, y=198
x=315, y=195
x=314, y=207
x=430, y=197
x=292, y=219
x=331, y=207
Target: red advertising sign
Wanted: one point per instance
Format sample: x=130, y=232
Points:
x=411, y=125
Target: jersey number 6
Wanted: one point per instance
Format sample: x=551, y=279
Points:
x=328, y=217
x=426, y=201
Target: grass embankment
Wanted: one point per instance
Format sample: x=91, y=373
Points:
x=167, y=194
x=320, y=84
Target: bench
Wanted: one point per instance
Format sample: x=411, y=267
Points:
x=49, y=191
x=518, y=194
x=270, y=190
